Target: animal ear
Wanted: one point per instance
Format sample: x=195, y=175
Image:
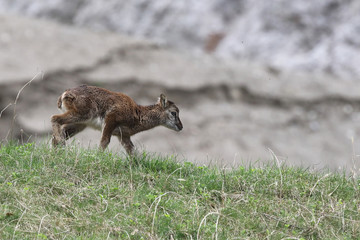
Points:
x=163, y=100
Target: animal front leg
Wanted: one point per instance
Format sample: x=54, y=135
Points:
x=107, y=132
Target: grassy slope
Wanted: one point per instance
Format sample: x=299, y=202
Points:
x=85, y=194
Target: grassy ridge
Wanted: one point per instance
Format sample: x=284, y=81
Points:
x=75, y=193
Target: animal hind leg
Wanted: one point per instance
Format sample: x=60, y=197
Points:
x=70, y=130
x=57, y=121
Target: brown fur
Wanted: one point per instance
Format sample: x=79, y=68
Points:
x=120, y=116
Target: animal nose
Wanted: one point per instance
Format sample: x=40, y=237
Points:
x=179, y=126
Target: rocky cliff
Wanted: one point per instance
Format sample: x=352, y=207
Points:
x=232, y=111
x=312, y=36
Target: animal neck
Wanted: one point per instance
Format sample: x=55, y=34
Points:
x=149, y=117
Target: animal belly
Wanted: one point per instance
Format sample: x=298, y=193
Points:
x=95, y=123
x=121, y=131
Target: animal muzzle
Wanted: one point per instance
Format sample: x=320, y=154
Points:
x=179, y=125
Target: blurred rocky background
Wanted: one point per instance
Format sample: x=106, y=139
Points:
x=248, y=76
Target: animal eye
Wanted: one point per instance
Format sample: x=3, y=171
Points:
x=173, y=113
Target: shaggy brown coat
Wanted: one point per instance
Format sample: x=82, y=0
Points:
x=112, y=112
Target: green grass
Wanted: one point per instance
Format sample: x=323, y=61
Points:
x=75, y=193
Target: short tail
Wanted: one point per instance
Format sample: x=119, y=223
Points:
x=67, y=97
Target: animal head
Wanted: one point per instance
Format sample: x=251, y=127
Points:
x=170, y=114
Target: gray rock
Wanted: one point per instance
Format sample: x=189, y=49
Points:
x=310, y=36
x=232, y=111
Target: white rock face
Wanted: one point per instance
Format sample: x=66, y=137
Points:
x=232, y=111
x=314, y=36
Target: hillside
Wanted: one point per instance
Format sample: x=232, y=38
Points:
x=77, y=193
